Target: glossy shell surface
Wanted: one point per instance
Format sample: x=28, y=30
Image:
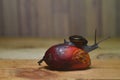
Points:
x=64, y=56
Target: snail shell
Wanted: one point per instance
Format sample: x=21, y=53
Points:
x=65, y=56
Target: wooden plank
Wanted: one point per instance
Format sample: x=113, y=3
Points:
x=6, y=15
x=52, y=18
x=10, y=18
x=61, y=25
x=117, y=18
x=77, y=17
x=60, y=18
x=29, y=69
x=1, y=19
x=24, y=17
x=109, y=17
x=93, y=17
x=105, y=62
x=45, y=18
x=14, y=16
x=34, y=18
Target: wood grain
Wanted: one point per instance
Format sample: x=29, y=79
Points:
x=109, y=19
x=34, y=18
x=1, y=18
x=45, y=18
x=117, y=17
x=10, y=18
x=59, y=18
x=93, y=17
x=105, y=62
x=77, y=17
x=29, y=69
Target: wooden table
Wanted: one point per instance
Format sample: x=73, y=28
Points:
x=105, y=62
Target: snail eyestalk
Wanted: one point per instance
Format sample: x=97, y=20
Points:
x=100, y=40
x=103, y=40
x=95, y=45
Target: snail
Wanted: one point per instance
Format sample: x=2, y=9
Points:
x=70, y=55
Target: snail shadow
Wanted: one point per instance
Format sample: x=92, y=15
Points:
x=64, y=69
